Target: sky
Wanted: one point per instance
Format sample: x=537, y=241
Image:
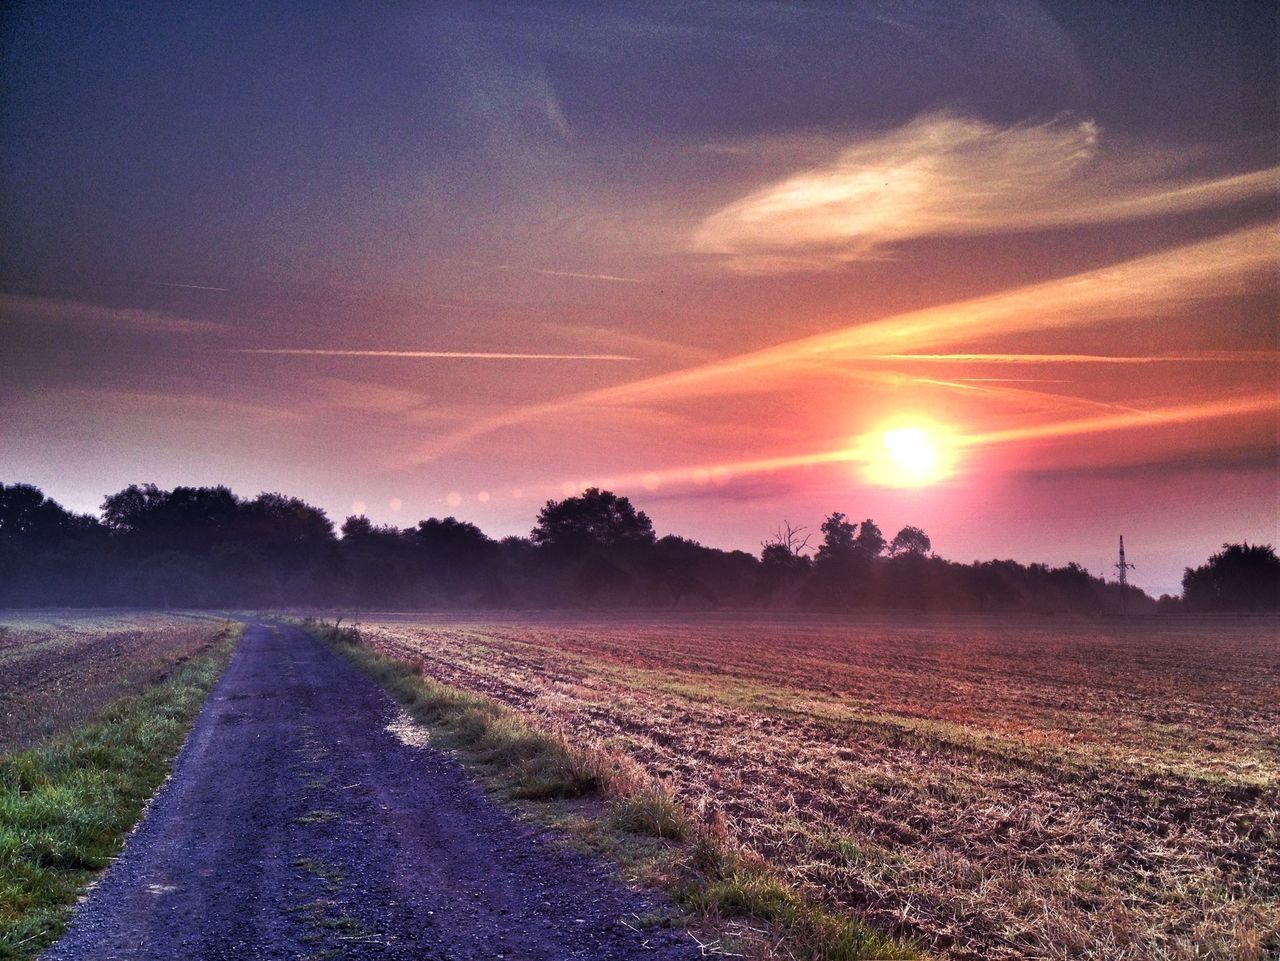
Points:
x=1003, y=271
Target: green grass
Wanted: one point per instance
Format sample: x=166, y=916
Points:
x=690, y=855
x=67, y=804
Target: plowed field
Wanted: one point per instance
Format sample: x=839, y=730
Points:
x=1000, y=788
x=59, y=668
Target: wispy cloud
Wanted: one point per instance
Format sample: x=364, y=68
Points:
x=944, y=175
x=45, y=310
x=423, y=354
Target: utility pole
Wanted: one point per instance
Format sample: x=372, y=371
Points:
x=1123, y=567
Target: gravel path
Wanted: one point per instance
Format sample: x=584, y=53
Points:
x=297, y=826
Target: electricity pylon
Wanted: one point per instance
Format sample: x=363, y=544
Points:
x=1123, y=568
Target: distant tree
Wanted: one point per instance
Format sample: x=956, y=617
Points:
x=128, y=509
x=869, y=540
x=785, y=549
x=1240, y=577
x=595, y=520
x=837, y=540
x=451, y=541
x=282, y=521
x=187, y=519
x=356, y=526
x=205, y=545
x=679, y=569
x=28, y=517
x=910, y=540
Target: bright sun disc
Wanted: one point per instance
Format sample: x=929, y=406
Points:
x=906, y=457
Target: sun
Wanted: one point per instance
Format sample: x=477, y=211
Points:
x=907, y=456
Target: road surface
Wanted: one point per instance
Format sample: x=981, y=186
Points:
x=297, y=825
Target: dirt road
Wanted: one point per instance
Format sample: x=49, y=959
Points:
x=297, y=826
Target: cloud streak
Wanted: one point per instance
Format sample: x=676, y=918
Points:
x=1232, y=264
x=860, y=453
x=942, y=175
x=423, y=354
x=1160, y=417
x=1200, y=356
x=44, y=310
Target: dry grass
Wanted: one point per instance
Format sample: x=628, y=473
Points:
x=994, y=788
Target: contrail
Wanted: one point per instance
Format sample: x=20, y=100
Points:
x=1038, y=397
x=1222, y=265
x=1221, y=356
x=612, y=278
x=1186, y=414
x=156, y=283
x=424, y=354
x=548, y=272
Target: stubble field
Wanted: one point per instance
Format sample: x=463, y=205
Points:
x=991, y=788
x=60, y=668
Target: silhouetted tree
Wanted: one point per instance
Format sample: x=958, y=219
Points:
x=596, y=519
x=910, y=540
x=1240, y=577
x=29, y=518
x=869, y=540
x=783, y=564
x=454, y=542
x=838, y=544
x=196, y=546
x=460, y=558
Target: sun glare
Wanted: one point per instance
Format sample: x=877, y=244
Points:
x=909, y=456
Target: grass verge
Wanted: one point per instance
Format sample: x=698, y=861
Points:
x=67, y=804
x=722, y=887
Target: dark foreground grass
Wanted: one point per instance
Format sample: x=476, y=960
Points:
x=722, y=888
x=67, y=804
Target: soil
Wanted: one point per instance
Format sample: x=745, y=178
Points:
x=297, y=825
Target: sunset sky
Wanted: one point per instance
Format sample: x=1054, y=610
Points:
x=427, y=259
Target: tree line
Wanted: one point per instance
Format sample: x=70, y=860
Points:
x=208, y=547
